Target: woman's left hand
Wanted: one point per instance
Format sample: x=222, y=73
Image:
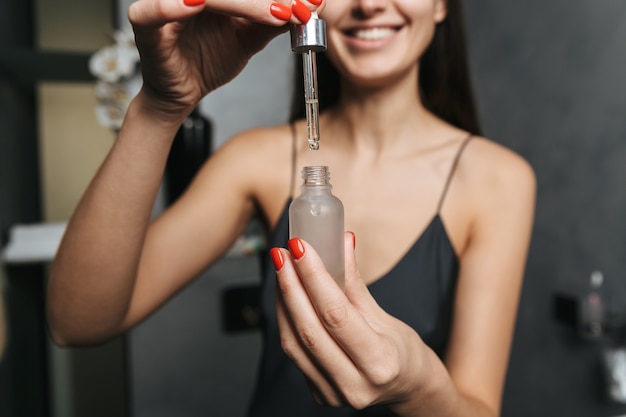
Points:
x=351, y=351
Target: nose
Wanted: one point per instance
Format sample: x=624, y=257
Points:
x=367, y=8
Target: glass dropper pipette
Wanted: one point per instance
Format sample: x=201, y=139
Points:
x=307, y=40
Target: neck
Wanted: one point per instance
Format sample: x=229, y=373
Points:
x=382, y=116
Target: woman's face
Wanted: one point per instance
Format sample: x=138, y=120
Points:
x=372, y=42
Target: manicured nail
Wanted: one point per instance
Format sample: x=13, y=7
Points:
x=315, y=2
x=296, y=247
x=277, y=258
x=300, y=11
x=193, y=3
x=279, y=11
x=353, y=240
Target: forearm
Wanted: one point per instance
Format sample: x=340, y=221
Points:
x=93, y=274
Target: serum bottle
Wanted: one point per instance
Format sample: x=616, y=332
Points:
x=316, y=216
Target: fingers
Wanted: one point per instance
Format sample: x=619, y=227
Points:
x=357, y=331
x=344, y=343
x=297, y=312
x=154, y=13
x=295, y=347
x=303, y=337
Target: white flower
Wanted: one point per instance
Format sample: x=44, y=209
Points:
x=116, y=68
x=125, y=37
x=114, y=99
x=110, y=115
x=133, y=84
x=106, y=91
x=114, y=63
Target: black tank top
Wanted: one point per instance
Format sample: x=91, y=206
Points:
x=419, y=290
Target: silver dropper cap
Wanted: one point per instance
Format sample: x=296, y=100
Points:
x=309, y=37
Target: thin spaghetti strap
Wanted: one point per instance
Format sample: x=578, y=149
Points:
x=452, y=169
x=292, y=125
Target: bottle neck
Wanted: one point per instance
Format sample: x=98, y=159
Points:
x=316, y=176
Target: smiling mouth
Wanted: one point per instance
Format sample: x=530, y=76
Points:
x=373, y=34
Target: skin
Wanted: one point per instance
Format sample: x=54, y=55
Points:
x=389, y=160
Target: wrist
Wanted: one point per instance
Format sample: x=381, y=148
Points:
x=149, y=127
x=428, y=389
x=163, y=114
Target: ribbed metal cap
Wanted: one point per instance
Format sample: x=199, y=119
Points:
x=309, y=37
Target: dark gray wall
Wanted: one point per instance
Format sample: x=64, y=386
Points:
x=19, y=168
x=550, y=82
x=183, y=363
x=23, y=388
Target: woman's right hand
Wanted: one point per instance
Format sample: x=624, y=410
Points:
x=190, y=47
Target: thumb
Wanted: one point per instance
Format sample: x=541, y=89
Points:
x=356, y=290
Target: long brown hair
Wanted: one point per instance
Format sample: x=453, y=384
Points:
x=444, y=78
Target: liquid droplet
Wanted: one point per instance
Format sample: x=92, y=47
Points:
x=316, y=209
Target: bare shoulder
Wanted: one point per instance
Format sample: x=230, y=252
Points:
x=255, y=151
x=251, y=144
x=495, y=171
x=257, y=162
x=497, y=184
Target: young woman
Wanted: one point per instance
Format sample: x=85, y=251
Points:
x=443, y=216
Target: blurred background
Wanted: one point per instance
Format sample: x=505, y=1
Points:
x=549, y=78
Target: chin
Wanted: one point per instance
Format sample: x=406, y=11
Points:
x=373, y=76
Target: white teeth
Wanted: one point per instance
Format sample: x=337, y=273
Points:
x=374, y=34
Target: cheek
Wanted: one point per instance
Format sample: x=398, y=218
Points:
x=441, y=11
x=422, y=10
x=332, y=50
x=333, y=10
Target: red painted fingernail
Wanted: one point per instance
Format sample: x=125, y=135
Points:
x=277, y=258
x=193, y=3
x=300, y=11
x=280, y=11
x=315, y=2
x=296, y=247
x=353, y=240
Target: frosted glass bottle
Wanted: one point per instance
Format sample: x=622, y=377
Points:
x=316, y=216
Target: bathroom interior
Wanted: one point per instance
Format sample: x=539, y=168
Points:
x=549, y=79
